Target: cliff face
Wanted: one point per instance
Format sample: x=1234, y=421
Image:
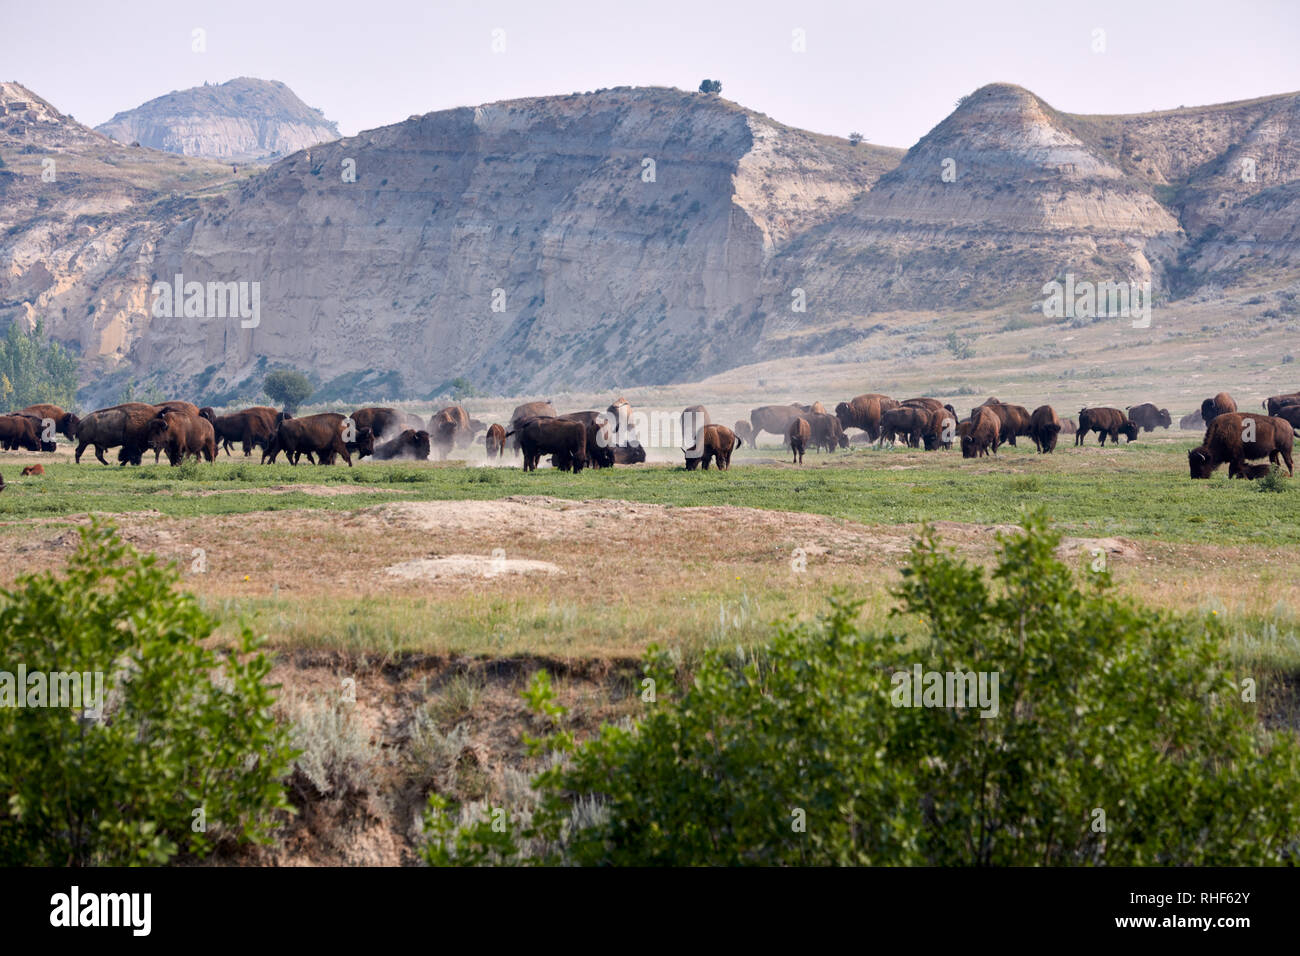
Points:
x=631, y=236
x=240, y=120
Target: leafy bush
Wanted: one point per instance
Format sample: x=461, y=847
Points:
x=182, y=729
x=34, y=370
x=961, y=348
x=336, y=754
x=288, y=388
x=1120, y=737
x=1274, y=480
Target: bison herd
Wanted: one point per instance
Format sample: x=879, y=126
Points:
x=590, y=439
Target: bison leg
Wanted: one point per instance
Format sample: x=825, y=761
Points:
x=80, y=448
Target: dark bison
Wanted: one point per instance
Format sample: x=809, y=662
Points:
x=552, y=436
x=33, y=470
x=411, y=444
x=1289, y=414
x=125, y=426
x=632, y=453
x=182, y=436
x=319, y=437
x=20, y=432
x=447, y=427
x=982, y=431
x=1252, y=471
x=906, y=420
x=826, y=431
x=1105, y=421
x=65, y=423
x=864, y=412
x=744, y=431
x=495, y=441
x=940, y=429
x=1148, y=418
x=1237, y=438
x=1192, y=423
x=1013, y=420
x=249, y=428
x=772, y=418
x=1044, y=427
x=1271, y=404
x=1221, y=404
x=797, y=435
x=382, y=422
x=718, y=442
x=525, y=413
x=600, y=441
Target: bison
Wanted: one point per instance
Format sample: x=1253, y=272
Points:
x=383, y=422
x=797, y=435
x=182, y=435
x=694, y=418
x=1148, y=418
x=20, y=432
x=33, y=470
x=1192, y=423
x=1013, y=420
x=940, y=429
x=1271, y=404
x=864, y=412
x=1239, y=437
x=906, y=420
x=632, y=453
x=744, y=431
x=772, y=418
x=1044, y=427
x=552, y=436
x=317, y=436
x=600, y=441
x=717, y=443
x=1105, y=421
x=982, y=431
x=411, y=444
x=249, y=428
x=446, y=428
x=1221, y=404
x=826, y=431
x=1289, y=414
x=495, y=441
x=524, y=413
x=125, y=426
x=65, y=423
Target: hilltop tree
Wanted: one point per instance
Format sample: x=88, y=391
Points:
x=289, y=388
x=855, y=139
x=710, y=86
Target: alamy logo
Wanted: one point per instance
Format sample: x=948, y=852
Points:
x=1087, y=300
x=82, y=691
x=103, y=909
x=969, y=689
x=210, y=300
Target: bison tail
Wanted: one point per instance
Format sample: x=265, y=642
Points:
x=739, y=441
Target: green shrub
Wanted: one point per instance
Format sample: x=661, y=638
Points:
x=1275, y=480
x=183, y=729
x=1120, y=737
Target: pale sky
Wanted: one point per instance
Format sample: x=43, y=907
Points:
x=889, y=70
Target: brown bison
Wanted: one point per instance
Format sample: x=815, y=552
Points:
x=20, y=432
x=1271, y=404
x=125, y=426
x=65, y=423
x=906, y=420
x=1105, y=421
x=620, y=419
x=1044, y=427
x=864, y=412
x=744, y=431
x=552, y=436
x=1221, y=404
x=411, y=444
x=524, y=413
x=33, y=470
x=447, y=427
x=382, y=422
x=772, y=418
x=717, y=442
x=1253, y=472
x=600, y=441
x=940, y=429
x=632, y=453
x=826, y=431
x=1068, y=427
x=182, y=436
x=694, y=418
x=1192, y=423
x=1289, y=414
x=1237, y=438
x=1148, y=418
x=1013, y=420
x=816, y=408
x=797, y=435
x=249, y=428
x=982, y=431
x=318, y=437
x=495, y=441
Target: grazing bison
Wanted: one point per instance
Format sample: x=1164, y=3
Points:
x=65, y=423
x=1044, y=427
x=317, y=436
x=552, y=436
x=797, y=435
x=1013, y=420
x=906, y=420
x=1105, y=421
x=125, y=426
x=1289, y=414
x=826, y=431
x=1068, y=427
x=20, y=432
x=1271, y=404
x=865, y=412
x=744, y=431
x=600, y=441
x=249, y=428
x=411, y=444
x=495, y=441
x=1148, y=418
x=33, y=470
x=773, y=418
x=1237, y=438
x=718, y=442
x=182, y=436
x=940, y=429
x=1221, y=404
x=982, y=431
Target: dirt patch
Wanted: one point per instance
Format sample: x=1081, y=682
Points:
x=469, y=566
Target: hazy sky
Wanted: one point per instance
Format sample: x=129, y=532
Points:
x=890, y=70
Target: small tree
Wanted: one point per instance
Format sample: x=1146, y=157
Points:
x=855, y=139
x=711, y=86
x=960, y=348
x=288, y=388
